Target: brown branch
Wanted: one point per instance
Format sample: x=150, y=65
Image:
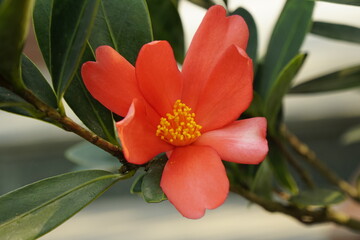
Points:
x=303, y=215
x=303, y=150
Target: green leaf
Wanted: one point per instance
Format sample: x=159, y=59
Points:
x=280, y=87
x=339, y=80
x=14, y=22
x=32, y=211
x=42, y=20
x=349, y=2
x=150, y=186
x=92, y=113
x=351, y=136
x=263, y=181
x=166, y=24
x=203, y=3
x=253, y=37
x=256, y=108
x=136, y=186
x=337, y=31
x=357, y=183
x=36, y=82
x=286, y=39
x=317, y=197
x=89, y=156
x=125, y=25
x=280, y=169
x=11, y=102
x=70, y=27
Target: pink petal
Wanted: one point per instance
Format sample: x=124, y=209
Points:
x=229, y=91
x=158, y=76
x=215, y=34
x=194, y=179
x=111, y=80
x=243, y=141
x=137, y=135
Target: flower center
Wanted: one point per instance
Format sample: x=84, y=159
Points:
x=179, y=128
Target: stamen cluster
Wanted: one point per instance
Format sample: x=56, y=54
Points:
x=179, y=128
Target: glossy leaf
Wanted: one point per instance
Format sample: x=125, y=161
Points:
x=337, y=31
x=348, y=2
x=318, y=197
x=89, y=156
x=70, y=27
x=263, y=181
x=344, y=79
x=166, y=24
x=37, y=83
x=92, y=113
x=42, y=20
x=11, y=102
x=14, y=23
x=280, y=169
x=253, y=37
x=150, y=185
x=280, y=87
x=286, y=39
x=136, y=186
x=125, y=25
x=32, y=211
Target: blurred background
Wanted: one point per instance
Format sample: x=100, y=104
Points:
x=31, y=150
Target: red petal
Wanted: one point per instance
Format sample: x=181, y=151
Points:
x=158, y=76
x=137, y=135
x=111, y=80
x=194, y=179
x=215, y=34
x=243, y=141
x=228, y=92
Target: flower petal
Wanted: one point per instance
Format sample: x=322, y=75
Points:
x=243, y=141
x=215, y=34
x=194, y=179
x=228, y=92
x=158, y=76
x=111, y=80
x=137, y=135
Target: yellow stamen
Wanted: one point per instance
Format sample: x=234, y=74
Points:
x=179, y=128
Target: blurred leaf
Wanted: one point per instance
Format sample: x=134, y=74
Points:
x=256, y=107
x=358, y=183
x=32, y=211
x=150, y=186
x=352, y=135
x=166, y=25
x=286, y=39
x=14, y=23
x=36, y=82
x=339, y=80
x=89, y=156
x=317, y=197
x=263, y=181
x=136, y=186
x=203, y=3
x=281, y=170
x=280, y=87
x=11, y=102
x=125, y=25
x=253, y=37
x=336, y=31
x=92, y=113
x=70, y=27
x=349, y=2
x=42, y=21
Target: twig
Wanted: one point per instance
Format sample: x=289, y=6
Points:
x=312, y=159
x=304, y=215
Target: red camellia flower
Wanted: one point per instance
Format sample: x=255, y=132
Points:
x=191, y=115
